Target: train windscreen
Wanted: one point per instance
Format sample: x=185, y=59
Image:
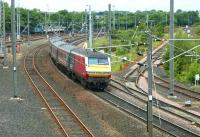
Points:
x=98, y=61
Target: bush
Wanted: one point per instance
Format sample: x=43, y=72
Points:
x=121, y=51
x=185, y=67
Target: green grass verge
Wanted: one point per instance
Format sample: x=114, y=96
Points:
x=118, y=53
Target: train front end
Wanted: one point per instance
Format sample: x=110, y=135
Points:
x=98, y=69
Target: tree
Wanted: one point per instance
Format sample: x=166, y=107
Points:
x=185, y=67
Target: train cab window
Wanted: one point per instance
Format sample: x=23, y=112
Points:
x=92, y=61
x=103, y=61
x=96, y=61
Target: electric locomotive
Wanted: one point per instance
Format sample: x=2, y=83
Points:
x=91, y=68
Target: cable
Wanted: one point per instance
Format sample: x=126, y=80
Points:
x=180, y=54
x=170, y=43
x=157, y=103
x=135, y=33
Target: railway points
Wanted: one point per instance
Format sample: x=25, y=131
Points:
x=35, y=44
x=136, y=78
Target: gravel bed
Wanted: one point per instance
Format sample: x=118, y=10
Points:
x=64, y=88
x=181, y=99
x=23, y=117
x=99, y=116
x=158, y=112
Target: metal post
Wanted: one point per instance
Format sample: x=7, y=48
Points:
x=86, y=29
x=135, y=21
x=109, y=28
x=59, y=24
x=150, y=97
x=97, y=24
x=72, y=27
x=147, y=21
x=105, y=22
x=28, y=29
x=4, y=37
x=13, y=27
x=46, y=24
x=126, y=22
x=113, y=18
x=171, y=92
x=2, y=32
x=18, y=22
x=118, y=21
x=1, y=27
x=90, y=26
x=82, y=20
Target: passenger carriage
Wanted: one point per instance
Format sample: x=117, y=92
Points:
x=91, y=68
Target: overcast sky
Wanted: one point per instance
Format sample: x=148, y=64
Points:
x=101, y=5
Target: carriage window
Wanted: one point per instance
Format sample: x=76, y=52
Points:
x=95, y=61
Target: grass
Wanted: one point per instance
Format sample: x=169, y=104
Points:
x=116, y=67
x=101, y=41
x=129, y=52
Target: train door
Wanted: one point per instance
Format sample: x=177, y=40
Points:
x=71, y=61
x=56, y=54
x=67, y=61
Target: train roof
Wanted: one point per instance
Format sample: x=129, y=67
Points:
x=60, y=43
x=89, y=53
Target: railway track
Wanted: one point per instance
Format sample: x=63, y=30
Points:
x=178, y=89
x=67, y=121
x=140, y=111
x=135, y=71
x=167, y=129
x=173, y=109
x=142, y=96
x=78, y=41
x=140, y=70
x=134, y=75
x=182, y=112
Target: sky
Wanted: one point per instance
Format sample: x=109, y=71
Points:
x=101, y=5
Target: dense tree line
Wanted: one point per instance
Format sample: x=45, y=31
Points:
x=125, y=26
x=123, y=19
x=38, y=17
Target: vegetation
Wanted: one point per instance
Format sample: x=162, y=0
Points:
x=129, y=45
x=129, y=29
x=187, y=65
x=196, y=30
x=123, y=20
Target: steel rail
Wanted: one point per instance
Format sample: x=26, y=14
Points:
x=45, y=101
x=63, y=102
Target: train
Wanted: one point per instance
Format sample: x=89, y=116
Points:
x=50, y=28
x=91, y=68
